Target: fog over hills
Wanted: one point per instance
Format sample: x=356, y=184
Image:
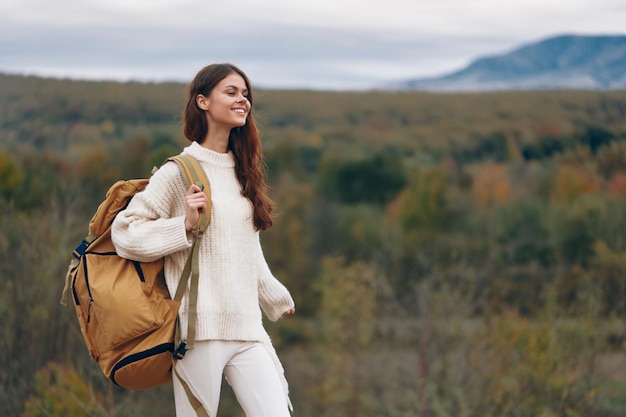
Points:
x=560, y=62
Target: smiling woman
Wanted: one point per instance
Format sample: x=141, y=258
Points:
x=235, y=282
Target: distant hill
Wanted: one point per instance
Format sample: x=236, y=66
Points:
x=561, y=62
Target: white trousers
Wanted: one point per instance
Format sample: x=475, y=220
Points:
x=249, y=370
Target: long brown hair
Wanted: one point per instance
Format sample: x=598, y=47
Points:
x=244, y=141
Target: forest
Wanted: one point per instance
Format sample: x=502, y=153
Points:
x=450, y=255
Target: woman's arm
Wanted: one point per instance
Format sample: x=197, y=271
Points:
x=274, y=298
x=146, y=231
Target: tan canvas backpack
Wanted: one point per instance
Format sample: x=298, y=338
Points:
x=126, y=316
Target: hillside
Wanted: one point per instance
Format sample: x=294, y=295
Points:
x=561, y=62
x=468, y=247
x=68, y=115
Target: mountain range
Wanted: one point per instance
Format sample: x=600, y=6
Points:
x=560, y=62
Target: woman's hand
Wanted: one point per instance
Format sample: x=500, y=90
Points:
x=196, y=202
x=289, y=312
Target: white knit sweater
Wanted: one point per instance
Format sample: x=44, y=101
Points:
x=235, y=281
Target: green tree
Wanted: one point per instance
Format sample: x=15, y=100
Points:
x=60, y=391
x=609, y=267
x=612, y=159
x=534, y=368
x=347, y=312
x=373, y=180
x=10, y=176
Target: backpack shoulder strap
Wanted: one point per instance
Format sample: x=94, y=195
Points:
x=194, y=174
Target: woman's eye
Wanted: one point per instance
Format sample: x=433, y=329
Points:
x=234, y=93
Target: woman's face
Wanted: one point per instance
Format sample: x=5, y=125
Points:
x=228, y=103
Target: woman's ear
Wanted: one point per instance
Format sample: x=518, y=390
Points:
x=202, y=101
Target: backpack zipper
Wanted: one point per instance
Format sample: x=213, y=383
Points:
x=88, y=289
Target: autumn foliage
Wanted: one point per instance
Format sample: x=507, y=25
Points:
x=449, y=254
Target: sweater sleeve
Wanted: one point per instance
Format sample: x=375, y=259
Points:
x=145, y=231
x=274, y=297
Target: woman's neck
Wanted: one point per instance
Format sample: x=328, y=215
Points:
x=217, y=141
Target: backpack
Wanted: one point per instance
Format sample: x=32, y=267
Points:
x=127, y=318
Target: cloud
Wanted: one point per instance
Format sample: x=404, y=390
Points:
x=281, y=43
x=273, y=55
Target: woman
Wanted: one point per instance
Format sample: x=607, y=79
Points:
x=235, y=280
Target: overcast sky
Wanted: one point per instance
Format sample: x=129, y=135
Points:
x=320, y=44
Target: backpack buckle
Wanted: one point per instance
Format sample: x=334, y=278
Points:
x=180, y=352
